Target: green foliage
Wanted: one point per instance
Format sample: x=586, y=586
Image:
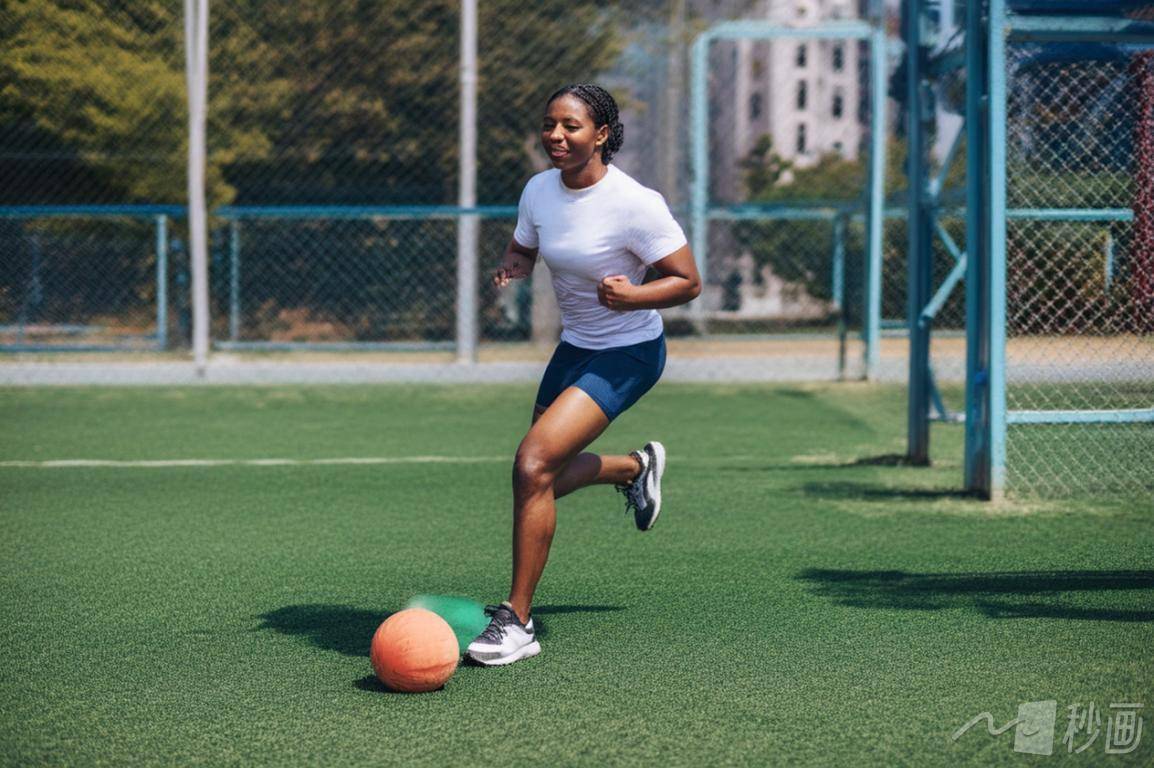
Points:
x=106, y=83
x=341, y=101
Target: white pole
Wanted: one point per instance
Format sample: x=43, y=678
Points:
x=196, y=72
x=467, y=224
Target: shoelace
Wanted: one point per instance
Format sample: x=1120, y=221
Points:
x=501, y=617
x=631, y=496
x=634, y=491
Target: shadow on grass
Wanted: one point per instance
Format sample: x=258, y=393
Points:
x=873, y=492
x=349, y=630
x=884, y=460
x=332, y=627
x=997, y=595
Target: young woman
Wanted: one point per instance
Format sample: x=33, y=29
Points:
x=598, y=231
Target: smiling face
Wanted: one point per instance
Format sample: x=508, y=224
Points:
x=569, y=135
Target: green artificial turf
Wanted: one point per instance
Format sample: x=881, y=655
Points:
x=804, y=599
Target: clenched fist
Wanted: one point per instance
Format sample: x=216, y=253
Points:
x=515, y=266
x=615, y=292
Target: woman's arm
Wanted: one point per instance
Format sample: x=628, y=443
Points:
x=516, y=265
x=679, y=284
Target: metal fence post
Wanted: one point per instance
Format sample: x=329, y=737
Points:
x=234, y=279
x=977, y=454
x=467, y=223
x=161, y=282
x=997, y=263
x=699, y=133
x=196, y=72
x=838, y=289
x=919, y=257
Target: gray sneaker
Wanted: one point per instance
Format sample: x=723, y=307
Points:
x=505, y=640
x=643, y=495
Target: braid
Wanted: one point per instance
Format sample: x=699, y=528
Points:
x=603, y=110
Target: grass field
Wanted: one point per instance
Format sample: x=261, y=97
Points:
x=801, y=602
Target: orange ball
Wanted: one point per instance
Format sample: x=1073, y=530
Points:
x=414, y=650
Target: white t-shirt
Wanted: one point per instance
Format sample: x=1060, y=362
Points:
x=614, y=227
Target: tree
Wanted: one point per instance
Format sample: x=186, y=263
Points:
x=343, y=101
x=94, y=91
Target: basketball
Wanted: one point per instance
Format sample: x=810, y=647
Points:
x=414, y=651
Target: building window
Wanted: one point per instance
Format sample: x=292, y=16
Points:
x=755, y=106
x=838, y=147
x=756, y=68
x=838, y=108
x=838, y=57
x=802, y=54
x=801, y=139
x=802, y=94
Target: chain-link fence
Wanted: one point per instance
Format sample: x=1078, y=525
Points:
x=332, y=170
x=789, y=151
x=86, y=283
x=1080, y=268
x=92, y=113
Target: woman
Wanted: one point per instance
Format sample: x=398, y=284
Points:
x=598, y=231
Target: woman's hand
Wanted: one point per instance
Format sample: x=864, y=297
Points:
x=516, y=265
x=678, y=284
x=616, y=292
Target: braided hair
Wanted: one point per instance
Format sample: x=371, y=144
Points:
x=603, y=110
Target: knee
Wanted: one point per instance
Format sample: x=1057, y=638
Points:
x=532, y=469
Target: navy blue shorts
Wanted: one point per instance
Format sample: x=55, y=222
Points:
x=615, y=378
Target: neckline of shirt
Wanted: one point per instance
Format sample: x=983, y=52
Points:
x=585, y=191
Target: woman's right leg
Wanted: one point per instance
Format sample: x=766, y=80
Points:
x=592, y=469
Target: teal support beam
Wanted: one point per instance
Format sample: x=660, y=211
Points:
x=162, y=282
x=1050, y=28
x=943, y=294
x=919, y=259
x=838, y=291
x=1120, y=416
x=996, y=196
x=940, y=180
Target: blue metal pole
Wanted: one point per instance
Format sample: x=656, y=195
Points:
x=871, y=322
x=997, y=265
x=977, y=448
x=233, y=279
x=920, y=245
x=161, y=282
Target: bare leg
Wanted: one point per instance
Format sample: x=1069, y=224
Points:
x=592, y=469
x=572, y=422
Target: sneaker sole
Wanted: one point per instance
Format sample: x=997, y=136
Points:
x=656, y=453
x=524, y=652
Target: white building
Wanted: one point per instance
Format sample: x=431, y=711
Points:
x=802, y=94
